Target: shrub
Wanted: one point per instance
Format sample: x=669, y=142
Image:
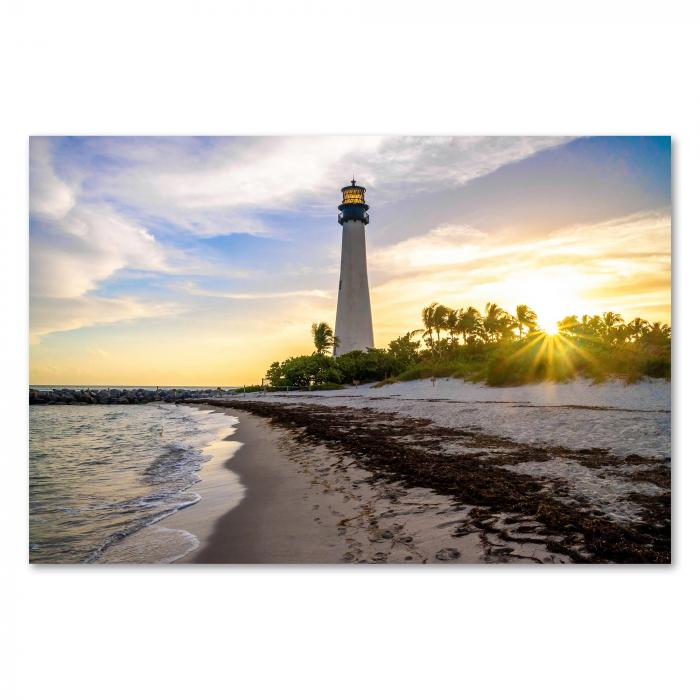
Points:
x=659, y=367
x=385, y=382
x=304, y=371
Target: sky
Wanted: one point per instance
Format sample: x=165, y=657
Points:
x=201, y=260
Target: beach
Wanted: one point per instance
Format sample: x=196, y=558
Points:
x=410, y=474
x=305, y=504
x=274, y=522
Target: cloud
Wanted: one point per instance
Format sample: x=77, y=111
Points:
x=49, y=197
x=428, y=163
x=620, y=240
x=623, y=262
x=192, y=288
x=445, y=245
x=74, y=248
x=269, y=172
x=86, y=247
x=216, y=185
x=51, y=315
x=221, y=184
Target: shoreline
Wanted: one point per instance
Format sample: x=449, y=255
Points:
x=221, y=489
x=271, y=523
x=306, y=504
x=176, y=536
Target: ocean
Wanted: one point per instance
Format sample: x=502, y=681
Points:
x=99, y=474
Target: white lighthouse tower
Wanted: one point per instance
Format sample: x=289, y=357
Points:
x=353, y=318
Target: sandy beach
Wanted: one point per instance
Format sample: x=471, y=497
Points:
x=307, y=504
x=274, y=522
x=408, y=474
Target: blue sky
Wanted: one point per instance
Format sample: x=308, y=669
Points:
x=202, y=259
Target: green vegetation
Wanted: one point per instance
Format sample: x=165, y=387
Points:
x=324, y=340
x=496, y=347
x=357, y=366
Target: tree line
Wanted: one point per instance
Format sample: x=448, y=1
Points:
x=494, y=346
x=496, y=325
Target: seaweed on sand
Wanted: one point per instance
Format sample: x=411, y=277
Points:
x=409, y=451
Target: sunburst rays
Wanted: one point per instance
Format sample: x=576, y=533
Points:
x=549, y=355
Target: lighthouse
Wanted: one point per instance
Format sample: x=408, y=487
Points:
x=353, y=318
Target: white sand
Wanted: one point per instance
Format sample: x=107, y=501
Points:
x=567, y=415
x=624, y=419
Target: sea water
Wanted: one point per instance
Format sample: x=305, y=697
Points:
x=100, y=474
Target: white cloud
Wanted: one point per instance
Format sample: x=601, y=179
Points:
x=220, y=188
x=432, y=162
x=51, y=315
x=444, y=245
x=191, y=288
x=270, y=174
x=224, y=184
x=74, y=248
x=606, y=244
x=86, y=247
x=49, y=197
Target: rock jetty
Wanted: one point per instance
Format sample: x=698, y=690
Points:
x=83, y=397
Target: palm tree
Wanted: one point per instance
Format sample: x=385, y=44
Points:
x=469, y=323
x=493, y=320
x=570, y=325
x=638, y=327
x=452, y=323
x=440, y=319
x=525, y=317
x=659, y=331
x=428, y=316
x=610, y=322
x=665, y=330
x=507, y=324
x=324, y=340
x=620, y=334
x=592, y=326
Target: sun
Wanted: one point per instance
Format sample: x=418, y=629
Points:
x=550, y=327
x=552, y=296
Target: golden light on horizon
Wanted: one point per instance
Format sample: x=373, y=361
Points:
x=552, y=296
x=550, y=328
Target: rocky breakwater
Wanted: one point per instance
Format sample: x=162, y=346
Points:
x=83, y=397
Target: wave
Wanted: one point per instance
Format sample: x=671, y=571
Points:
x=126, y=471
x=136, y=527
x=157, y=545
x=113, y=415
x=176, y=460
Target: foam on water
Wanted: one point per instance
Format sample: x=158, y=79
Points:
x=99, y=475
x=154, y=545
